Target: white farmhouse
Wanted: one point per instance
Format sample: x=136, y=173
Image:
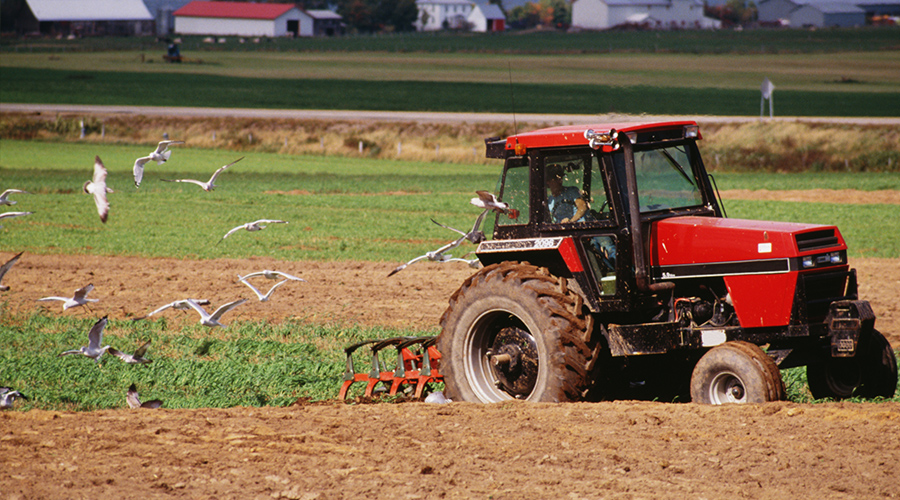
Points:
x=486, y=18
x=443, y=14
x=654, y=14
x=242, y=19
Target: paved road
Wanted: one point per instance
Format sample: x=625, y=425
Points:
x=409, y=116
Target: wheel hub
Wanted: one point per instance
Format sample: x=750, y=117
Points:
x=513, y=361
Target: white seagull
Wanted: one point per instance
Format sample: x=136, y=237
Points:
x=210, y=184
x=272, y=275
x=488, y=201
x=435, y=256
x=253, y=226
x=97, y=187
x=132, y=359
x=95, y=337
x=8, y=396
x=262, y=297
x=5, y=201
x=178, y=304
x=133, y=399
x=5, y=267
x=9, y=215
x=79, y=299
x=207, y=319
x=160, y=156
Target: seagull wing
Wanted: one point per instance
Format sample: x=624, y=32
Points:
x=255, y=290
x=276, y=285
x=165, y=144
x=404, y=266
x=5, y=267
x=270, y=221
x=242, y=226
x=153, y=403
x=225, y=308
x=448, y=227
x=192, y=181
x=288, y=276
x=82, y=292
x=99, y=189
x=128, y=358
x=132, y=397
x=212, y=179
x=139, y=353
x=139, y=169
x=95, y=336
x=203, y=313
x=6, y=215
x=163, y=308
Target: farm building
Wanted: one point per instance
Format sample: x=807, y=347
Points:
x=251, y=19
x=648, y=14
x=828, y=15
x=442, y=14
x=85, y=17
x=162, y=10
x=486, y=17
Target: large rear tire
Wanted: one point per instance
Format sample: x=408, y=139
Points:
x=514, y=331
x=869, y=374
x=736, y=372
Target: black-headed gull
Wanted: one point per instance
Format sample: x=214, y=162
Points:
x=263, y=297
x=207, y=319
x=79, y=299
x=253, y=226
x=132, y=359
x=272, y=275
x=160, y=156
x=98, y=188
x=211, y=183
x=134, y=401
x=93, y=349
x=8, y=396
x=488, y=201
x=5, y=267
x=178, y=304
x=4, y=197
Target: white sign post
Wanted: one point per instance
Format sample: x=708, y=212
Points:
x=766, y=90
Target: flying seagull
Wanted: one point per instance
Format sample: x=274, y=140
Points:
x=272, y=275
x=178, y=304
x=253, y=226
x=207, y=319
x=160, y=156
x=8, y=396
x=133, y=399
x=95, y=338
x=488, y=201
x=210, y=184
x=5, y=267
x=133, y=359
x=9, y=215
x=97, y=187
x=5, y=201
x=79, y=299
x=435, y=256
x=262, y=297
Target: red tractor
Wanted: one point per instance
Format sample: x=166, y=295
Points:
x=615, y=272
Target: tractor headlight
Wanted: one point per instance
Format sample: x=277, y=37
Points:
x=808, y=262
x=835, y=258
x=691, y=131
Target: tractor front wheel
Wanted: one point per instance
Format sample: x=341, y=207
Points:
x=514, y=331
x=736, y=372
x=869, y=374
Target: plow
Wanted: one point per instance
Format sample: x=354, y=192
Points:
x=396, y=365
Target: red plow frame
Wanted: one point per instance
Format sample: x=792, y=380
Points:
x=416, y=364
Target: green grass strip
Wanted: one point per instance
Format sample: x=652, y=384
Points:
x=27, y=85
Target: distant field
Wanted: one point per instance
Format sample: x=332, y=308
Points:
x=338, y=208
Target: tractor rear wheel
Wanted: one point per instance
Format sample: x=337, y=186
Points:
x=869, y=374
x=736, y=372
x=514, y=331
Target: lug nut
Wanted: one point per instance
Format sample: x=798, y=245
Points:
x=501, y=359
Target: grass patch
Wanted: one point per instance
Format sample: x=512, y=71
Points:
x=29, y=85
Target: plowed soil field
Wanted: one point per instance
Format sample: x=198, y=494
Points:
x=327, y=450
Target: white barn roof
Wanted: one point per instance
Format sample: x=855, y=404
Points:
x=89, y=10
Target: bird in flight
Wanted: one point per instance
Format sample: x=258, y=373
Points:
x=210, y=184
x=263, y=297
x=8, y=396
x=488, y=201
x=211, y=320
x=435, y=256
x=178, y=304
x=98, y=188
x=160, y=156
x=272, y=275
x=9, y=215
x=79, y=299
x=133, y=399
x=4, y=197
x=133, y=359
x=93, y=349
x=253, y=226
x=5, y=268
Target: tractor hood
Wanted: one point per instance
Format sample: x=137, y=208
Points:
x=698, y=240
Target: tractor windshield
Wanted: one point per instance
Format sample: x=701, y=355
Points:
x=665, y=178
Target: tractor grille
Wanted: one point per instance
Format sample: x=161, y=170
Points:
x=821, y=289
x=823, y=238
